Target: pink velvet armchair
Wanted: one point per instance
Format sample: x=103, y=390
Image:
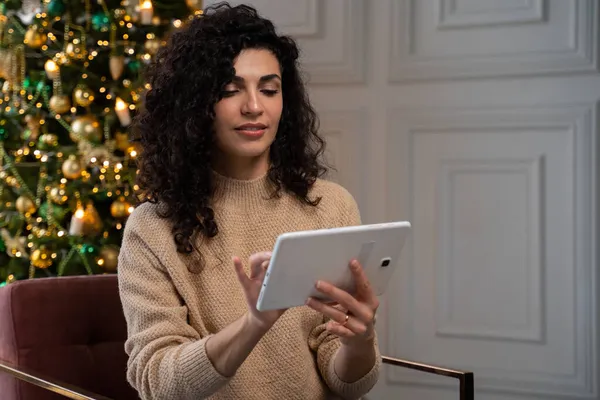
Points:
x=63, y=338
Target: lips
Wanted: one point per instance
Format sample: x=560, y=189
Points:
x=252, y=130
x=251, y=127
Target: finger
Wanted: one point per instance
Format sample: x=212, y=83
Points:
x=241, y=274
x=257, y=261
x=339, y=330
x=364, y=290
x=338, y=316
x=347, y=301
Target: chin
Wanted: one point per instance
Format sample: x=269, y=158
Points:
x=250, y=150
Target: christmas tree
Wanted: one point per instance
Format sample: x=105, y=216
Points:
x=71, y=73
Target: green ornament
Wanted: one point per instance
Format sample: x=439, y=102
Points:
x=3, y=284
x=3, y=134
x=88, y=249
x=26, y=83
x=56, y=8
x=134, y=65
x=100, y=22
x=57, y=212
x=26, y=134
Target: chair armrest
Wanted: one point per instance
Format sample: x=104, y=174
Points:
x=64, y=389
x=465, y=378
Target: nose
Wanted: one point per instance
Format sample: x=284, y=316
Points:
x=252, y=104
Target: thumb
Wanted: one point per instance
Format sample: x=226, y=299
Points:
x=257, y=261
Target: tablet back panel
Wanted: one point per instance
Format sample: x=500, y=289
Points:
x=301, y=258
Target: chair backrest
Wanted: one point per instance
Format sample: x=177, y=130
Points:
x=71, y=329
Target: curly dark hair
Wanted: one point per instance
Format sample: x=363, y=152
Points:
x=175, y=126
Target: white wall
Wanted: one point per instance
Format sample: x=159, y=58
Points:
x=477, y=121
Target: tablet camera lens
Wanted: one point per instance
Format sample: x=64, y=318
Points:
x=385, y=262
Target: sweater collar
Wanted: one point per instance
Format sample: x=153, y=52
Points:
x=241, y=190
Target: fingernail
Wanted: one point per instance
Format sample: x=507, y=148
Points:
x=318, y=285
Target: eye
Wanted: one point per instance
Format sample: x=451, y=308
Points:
x=270, y=92
x=229, y=93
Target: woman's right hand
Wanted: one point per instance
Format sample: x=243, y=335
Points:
x=252, y=285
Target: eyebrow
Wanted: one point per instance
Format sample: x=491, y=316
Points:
x=262, y=79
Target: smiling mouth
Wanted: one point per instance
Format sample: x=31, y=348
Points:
x=252, y=131
x=251, y=128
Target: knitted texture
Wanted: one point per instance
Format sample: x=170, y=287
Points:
x=171, y=311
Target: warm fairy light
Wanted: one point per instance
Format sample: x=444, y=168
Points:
x=79, y=213
x=51, y=69
x=122, y=110
x=130, y=209
x=120, y=104
x=146, y=12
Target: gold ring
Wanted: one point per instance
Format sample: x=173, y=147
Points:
x=346, y=320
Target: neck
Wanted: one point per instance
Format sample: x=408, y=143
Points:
x=242, y=168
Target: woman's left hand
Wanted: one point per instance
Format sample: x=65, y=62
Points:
x=354, y=324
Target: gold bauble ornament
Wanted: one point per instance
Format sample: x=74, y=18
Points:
x=120, y=208
x=60, y=103
x=83, y=95
x=108, y=258
x=72, y=168
x=194, y=5
x=35, y=38
x=11, y=278
x=41, y=258
x=25, y=205
x=76, y=50
x=92, y=224
x=152, y=46
x=87, y=127
x=58, y=195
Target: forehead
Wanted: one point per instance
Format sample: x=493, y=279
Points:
x=254, y=63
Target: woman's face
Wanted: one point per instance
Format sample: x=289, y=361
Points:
x=247, y=117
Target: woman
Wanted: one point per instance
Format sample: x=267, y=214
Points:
x=230, y=160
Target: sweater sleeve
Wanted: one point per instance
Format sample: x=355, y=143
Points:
x=326, y=344
x=167, y=357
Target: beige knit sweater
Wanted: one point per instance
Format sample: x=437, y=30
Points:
x=170, y=311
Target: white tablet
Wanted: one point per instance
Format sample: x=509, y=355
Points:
x=302, y=258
